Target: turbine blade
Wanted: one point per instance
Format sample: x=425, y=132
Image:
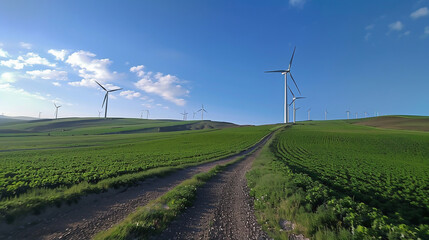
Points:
x=299, y=97
x=295, y=83
x=291, y=91
x=275, y=71
x=115, y=90
x=204, y=110
x=291, y=59
x=105, y=97
x=100, y=85
x=199, y=110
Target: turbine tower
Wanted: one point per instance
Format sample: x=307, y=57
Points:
x=99, y=113
x=202, y=110
x=106, y=97
x=193, y=115
x=185, y=115
x=326, y=114
x=308, y=112
x=293, y=102
x=356, y=115
x=348, y=114
x=286, y=72
x=40, y=114
x=56, y=110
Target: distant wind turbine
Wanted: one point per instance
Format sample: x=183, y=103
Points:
x=56, y=110
x=193, y=115
x=326, y=114
x=308, y=112
x=348, y=114
x=106, y=97
x=40, y=114
x=293, y=102
x=202, y=110
x=286, y=72
x=99, y=113
x=365, y=114
x=356, y=115
x=185, y=115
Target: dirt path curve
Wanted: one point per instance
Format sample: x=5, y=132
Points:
x=97, y=212
x=223, y=209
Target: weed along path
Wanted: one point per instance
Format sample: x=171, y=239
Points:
x=222, y=209
x=98, y=212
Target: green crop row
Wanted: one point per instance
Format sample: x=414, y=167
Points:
x=51, y=165
x=331, y=177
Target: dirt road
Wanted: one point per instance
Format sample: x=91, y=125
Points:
x=97, y=212
x=223, y=209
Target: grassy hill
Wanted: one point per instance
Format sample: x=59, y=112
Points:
x=95, y=126
x=416, y=123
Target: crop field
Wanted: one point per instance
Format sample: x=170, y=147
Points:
x=371, y=182
x=41, y=161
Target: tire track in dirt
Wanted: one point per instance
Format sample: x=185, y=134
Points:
x=222, y=209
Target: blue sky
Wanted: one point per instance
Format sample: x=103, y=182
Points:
x=171, y=56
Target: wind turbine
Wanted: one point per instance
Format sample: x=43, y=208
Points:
x=356, y=115
x=365, y=114
x=348, y=114
x=40, y=114
x=193, y=115
x=56, y=110
x=185, y=115
x=308, y=112
x=202, y=110
x=293, y=102
x=147, y=114
x=285, y=72
x=106, y=97
x=326, y=114
x=99, y=113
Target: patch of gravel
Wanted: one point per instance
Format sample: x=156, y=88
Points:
x=98, y=212
x=222, y=209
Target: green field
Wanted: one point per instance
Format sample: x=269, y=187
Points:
x=33, y=161
x=335, y=176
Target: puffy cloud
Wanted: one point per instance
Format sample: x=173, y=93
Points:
x=396, y=26
x=29, y=59
x=166, y=86
x=7, y=77
x=90, y=68
x=421, y=12
x=426, y=31
x=48, y=74
x=7, y=87
x=297, y=3
x=57, y=84
x=25, y=45
x=3, y=53
x=58, y=54
x=370, y=27
x=129, y=94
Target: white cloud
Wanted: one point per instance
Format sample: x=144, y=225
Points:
x=166, y=86
x=29, y=59
x=407, y=33
x=25, y=45
x=56, y=84
x=426, y=31
x=129, y=94
x=90, y=69
x=7, y=77
x=3, y=53
x=297, y=3
x=58, y=54
x=7, y=87
x=48, y=74
x=422, y=12
x=396, y=26
x=370, y=27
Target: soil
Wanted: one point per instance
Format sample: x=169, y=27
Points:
x=98, y=212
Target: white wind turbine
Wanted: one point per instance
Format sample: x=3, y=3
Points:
x=326, y=114
x=106, y=97
x=365, y=113
x=285, y=73
x=193, y=115
x=147, y=113
x=40, y=114
x=293, y=102
x=202, y=110
x=348, y=114
x=56, y=110
x=308, y=112
x=185, y=115
x=99, y=113
x=356, y=115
